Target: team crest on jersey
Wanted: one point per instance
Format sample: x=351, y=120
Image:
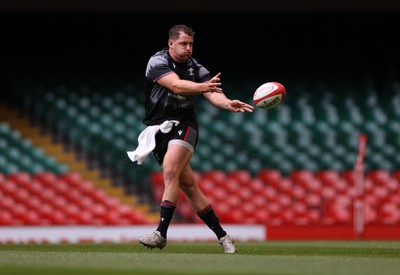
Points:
x=190, y=71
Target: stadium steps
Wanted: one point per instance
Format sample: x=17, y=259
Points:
x=17, y=121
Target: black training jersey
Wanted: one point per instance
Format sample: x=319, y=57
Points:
x=163, y=104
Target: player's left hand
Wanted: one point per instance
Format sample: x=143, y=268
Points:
x=239, y=106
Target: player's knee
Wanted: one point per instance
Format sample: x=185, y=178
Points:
x=170, y=174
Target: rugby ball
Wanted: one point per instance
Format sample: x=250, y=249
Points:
x=269, y=95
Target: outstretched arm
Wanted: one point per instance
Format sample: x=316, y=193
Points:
x=221, y=101
x=187, y=87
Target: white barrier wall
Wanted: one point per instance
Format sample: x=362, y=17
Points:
x=121, y=234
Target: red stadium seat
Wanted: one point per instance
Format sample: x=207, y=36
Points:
x=73, y=178
x=207, y=186
x=232, y=186
x=313, y=200
x=227, y=214
x=389, y=213
x=368, y=185
x=274, y=207
x=299, y=208
x=7, y=203
x=300, y=177
x=257, y=185
x=394, y=197
x=261, y=216
x=248, y=209
x=284, y=200
x=370, y=215
x=343, y=201
x=314, y=185
x=285, y=185
x=242, y=176
x=33, y=203
x=86, y=187
x=333, y=178
x=48, y=179
x=270, y=176
x=86, y=203
x=340, y=215
x=246, y=195
x=379, y=177
x=328, y=177
x=87, y=218
x=22, y=196
x=35, y=188
x=30, y=217
x=259, y=200
x=136, y=217
x=216, y=176
x=349, y=177
x=110, y=217
x=270, y=193
x=6, y=218
x=62, y=187
x=234, y=202
x=10, y=189
x=61, y=203
x=235, y=216
x=157, y=179
x=380, y=192
x=287, y=215
x=298, y=192
x=20, y=177
x=396, y=175
x=185, y=210
x=314, y=216
x=305, y=179
x=100, y=196
x=328, y=192
x=371, y=200
x=275, y=221
x=219, y=195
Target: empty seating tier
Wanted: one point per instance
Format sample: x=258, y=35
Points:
x=45, y=198
x=301, y=198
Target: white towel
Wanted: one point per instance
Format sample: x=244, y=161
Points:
x=147, y=140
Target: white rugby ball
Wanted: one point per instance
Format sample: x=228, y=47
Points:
x=269, y=95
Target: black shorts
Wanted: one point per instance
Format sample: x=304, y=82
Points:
x=185, y=134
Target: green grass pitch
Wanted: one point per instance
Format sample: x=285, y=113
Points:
x=270, y=257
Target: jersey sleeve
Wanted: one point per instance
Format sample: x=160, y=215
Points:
x=204, y=75
x=157, y=67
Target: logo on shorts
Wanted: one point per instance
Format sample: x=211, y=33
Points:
x=180, y=132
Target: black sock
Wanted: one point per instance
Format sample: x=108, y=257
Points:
x=166, y=211
x=212, y=221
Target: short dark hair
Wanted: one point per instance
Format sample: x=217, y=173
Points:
x=175, y=30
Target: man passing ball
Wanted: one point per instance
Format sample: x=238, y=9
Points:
x=173, y=79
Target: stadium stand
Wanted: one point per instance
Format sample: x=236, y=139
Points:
x=20, y=154
x=45, y=198
x=301, y=198
x=30, y=151
x=310, y=145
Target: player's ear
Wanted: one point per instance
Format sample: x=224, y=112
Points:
x=170, y=42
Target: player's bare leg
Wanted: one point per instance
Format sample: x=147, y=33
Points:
x=175, y=160
x=201, y=205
